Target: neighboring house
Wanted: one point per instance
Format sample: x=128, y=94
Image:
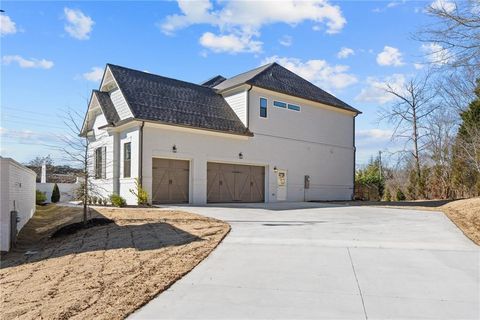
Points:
x=67, y=190
x=17, y=192
x=262, y=136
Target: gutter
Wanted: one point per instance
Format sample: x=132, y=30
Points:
x=354, y=157
x=140, y=155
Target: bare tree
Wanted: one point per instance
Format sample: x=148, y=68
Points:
x=415, y=101
x=76, y=151
x=455, y=33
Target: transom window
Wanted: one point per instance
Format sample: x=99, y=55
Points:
x=293, y=107
x=263, y=107
x=127, y=159
x=279, y=104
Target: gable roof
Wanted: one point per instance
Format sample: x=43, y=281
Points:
x=107, y=106
x=277, y=78
x=157, y=98
x=213, y=81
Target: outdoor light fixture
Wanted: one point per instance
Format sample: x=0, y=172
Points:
x=240, y=155
x=174, y=149
x=275, y=169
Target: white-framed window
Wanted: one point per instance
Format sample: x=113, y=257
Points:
x=100, y=162
x=263, y=107
x=127, y=160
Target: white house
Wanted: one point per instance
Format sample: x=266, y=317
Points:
x=262, y=136
x=17, y=192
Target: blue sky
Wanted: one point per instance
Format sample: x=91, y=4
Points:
x=52, y=54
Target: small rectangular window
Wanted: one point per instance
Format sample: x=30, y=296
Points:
x=279, y=104
x=293, y=107
x=100, y=162
x=127, y=159
x=263, y=107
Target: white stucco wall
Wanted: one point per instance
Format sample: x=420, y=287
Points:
x=17, y=184
x=130, y=135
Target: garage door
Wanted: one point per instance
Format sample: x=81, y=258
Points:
x=170, y=181
x=235, y=183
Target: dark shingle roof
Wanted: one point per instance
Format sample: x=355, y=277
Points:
x=213, y=81
x=107, y=106
x=157, y=98
x=277, y=78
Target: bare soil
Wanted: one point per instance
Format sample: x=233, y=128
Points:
x=104, y=272
x=465, y=213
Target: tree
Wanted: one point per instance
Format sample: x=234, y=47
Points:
x=55, y=194
x=372, y=176
x=414, y=102
x=467, y=147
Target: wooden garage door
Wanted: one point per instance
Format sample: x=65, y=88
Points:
x=170, y=181
x=235, y=183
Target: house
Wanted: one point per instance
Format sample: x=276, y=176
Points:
x=17, y=193
x=262, y=136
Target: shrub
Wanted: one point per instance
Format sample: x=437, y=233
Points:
x=140, y=193
x=117, y=200
x=387, y=196
x=105, y=201
x=94, y=199
x=400, y=196
x=55, y=194
x=40, y=197
x=90, y=200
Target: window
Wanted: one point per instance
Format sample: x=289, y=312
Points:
x=279, y=104
x=263, y=107
x=100, y=164
x=293, y=107
x=127, y=159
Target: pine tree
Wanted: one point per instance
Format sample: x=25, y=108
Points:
x=55, y=194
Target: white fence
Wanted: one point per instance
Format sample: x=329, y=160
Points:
x=67, y=190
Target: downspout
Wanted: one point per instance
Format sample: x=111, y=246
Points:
x=140, y=155
x=248, y=109
x=354, y=156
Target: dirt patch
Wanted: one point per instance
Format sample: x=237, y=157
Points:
x=103, y=272
x=465, y=213
x=77, y=226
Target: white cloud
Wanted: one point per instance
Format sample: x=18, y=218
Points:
x=286, y=41
x=375, y=91
x=94, y=75
x=244, y=19
x=28, y=63
x=443, y=5
x=345, y=53
x=390, y=56
x=436, y=54
x=418, y=66
x=379, y=134
x=78, y=24
x=7, y=26
x=317, y=71
x=230, y=43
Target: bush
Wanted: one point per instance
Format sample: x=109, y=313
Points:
x=140, y=193
x=55, y=194
x=94, y=199
x=104, y=201
x=117, y=200
x=387, y=196
x=40, y=197
x=400, y=196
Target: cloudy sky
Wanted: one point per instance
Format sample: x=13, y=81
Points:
x=53, y=54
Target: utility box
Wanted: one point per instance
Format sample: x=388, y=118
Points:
x=307, y=182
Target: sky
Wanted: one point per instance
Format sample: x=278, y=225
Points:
x=53, y=54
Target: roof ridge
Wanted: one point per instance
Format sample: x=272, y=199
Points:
x=266, y=66
x=159, y=76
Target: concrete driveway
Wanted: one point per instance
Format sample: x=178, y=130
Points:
x=304, y=260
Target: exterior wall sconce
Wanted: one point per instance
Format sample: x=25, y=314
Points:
x=174, y=149
x=240, y=155
x=275, y=169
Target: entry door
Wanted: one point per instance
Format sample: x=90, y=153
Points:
x=281, y=185
x=235, y=183
x=170, y=181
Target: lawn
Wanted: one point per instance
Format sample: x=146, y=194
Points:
x=465, y=213
x=105, y=272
